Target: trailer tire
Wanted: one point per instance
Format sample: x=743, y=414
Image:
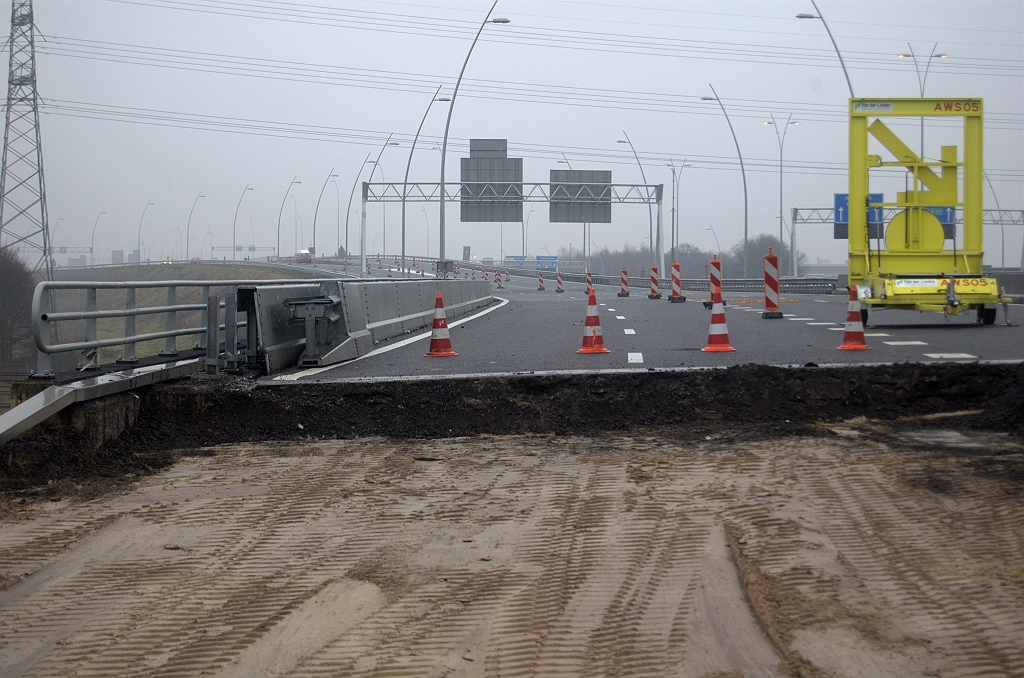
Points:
x=986, y=316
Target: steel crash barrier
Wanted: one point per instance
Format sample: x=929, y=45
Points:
x=286, y=322
x=787, y=285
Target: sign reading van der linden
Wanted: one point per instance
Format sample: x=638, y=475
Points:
x=872, y=107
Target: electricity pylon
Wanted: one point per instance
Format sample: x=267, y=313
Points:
x=23, y=219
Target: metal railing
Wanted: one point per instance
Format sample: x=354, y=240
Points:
x=786, y=285
x=43, y=317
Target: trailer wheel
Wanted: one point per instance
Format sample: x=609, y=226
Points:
x=864, y=317
x=986, y=316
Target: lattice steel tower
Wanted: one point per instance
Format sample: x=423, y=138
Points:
x=23, y=220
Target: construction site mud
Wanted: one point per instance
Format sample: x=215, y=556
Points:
x=749, y=402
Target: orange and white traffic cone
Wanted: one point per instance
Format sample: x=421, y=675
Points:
x=497, y=279
x=655, y=292
x=593, y=341
x=590, y=281
x=558, y=286
x=718, y=335
x=540, y=281
x=853, y=336
x=440, y=341
x=623, y=284
x=389, y=272
x=506, y=275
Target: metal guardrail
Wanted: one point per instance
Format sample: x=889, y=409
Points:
x=43, y=316
x=786, y=285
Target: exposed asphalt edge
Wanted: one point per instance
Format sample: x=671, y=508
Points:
x=622, y=370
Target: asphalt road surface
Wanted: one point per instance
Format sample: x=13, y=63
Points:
x=527, y=330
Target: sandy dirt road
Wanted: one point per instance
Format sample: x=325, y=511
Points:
x=537, y=555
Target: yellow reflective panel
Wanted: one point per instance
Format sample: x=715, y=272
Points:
x=914, y=229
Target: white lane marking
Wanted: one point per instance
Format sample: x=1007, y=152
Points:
x=620, y=317
x=819, y=301
x=738, y=307
x=876, y=334
x=600, y=304
x=952, y=356
x=612, y=310
x=789, y=315
x=634, y=357
x=317, y=370
x=629, y=331
x=906, y=343
x=821, y=323
x=801, y=318
x=840, y=329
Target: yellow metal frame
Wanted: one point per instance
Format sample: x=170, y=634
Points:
x=915, y=277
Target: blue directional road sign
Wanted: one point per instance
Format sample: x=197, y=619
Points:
x=547, y=263
x=945, y=215
x=876, y=215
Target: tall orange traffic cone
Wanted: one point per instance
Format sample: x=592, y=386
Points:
x=440, y=341
x=718, y=335
x=593, y=341
x=853, y=337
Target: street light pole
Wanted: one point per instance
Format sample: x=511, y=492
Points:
x=139, y=244
x=281, y=211
x=448, y=122
x=349, y=211
x=427, y=220
x=337, y=210
x=674, y=237
x=781, y=138
x=405, y=183
x=526, y=235
x=234, y=223
x=188, y=228
x=92, y=242
x=712, y=229
x=922, y=81
x=650, y=215
x=743, y=172
x=839, y=54
x=317, y=210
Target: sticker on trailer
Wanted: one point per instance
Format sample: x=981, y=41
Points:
x=918, y=283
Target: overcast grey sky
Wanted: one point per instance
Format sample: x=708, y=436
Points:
x=159, y=100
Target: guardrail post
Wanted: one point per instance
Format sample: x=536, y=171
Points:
x=91, y=354
x=231, y=331
x=129, y=328
x=171, y=343
x=204, y=316
x=44, y=363
x=212, y=335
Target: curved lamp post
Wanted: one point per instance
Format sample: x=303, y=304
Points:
x=712, y=229
x=188, y=228
x=526, y=234
x=743, y=172
x=317, y=210
x=139, y=238
x=675, y=202
x=362, y=223
x=426, y=221
x=92, y=242
x=281, y=211
x=337, y=210
x=781, y=138
x=650, y=215
x=234, y=223
x=405, y=184
x=447, y=124
x=804, y=15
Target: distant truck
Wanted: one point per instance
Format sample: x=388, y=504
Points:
x=304, y=257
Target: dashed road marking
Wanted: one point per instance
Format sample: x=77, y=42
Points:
x=620, y=317
x=875, y=334
x=629, y=331
x=634, y=357
x=801, y=318
x=789, y=315
x=951, y=356
x=612, y=310
x=906, y=343
x=819, y=301
x=821, y=323
x=840, y=329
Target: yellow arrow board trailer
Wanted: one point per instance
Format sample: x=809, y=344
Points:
x=915, y=265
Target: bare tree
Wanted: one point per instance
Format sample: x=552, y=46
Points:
x=16, y=287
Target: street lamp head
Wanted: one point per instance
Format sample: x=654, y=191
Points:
x=708, y=99
x=767, y=122
x=443, y=99
x=500, y=20
x=622, y=141
x=393, y=143
x=940, y=56
x=805, y=15
x=901, y=55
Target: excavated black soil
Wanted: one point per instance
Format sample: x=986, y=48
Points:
x=744, y=402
